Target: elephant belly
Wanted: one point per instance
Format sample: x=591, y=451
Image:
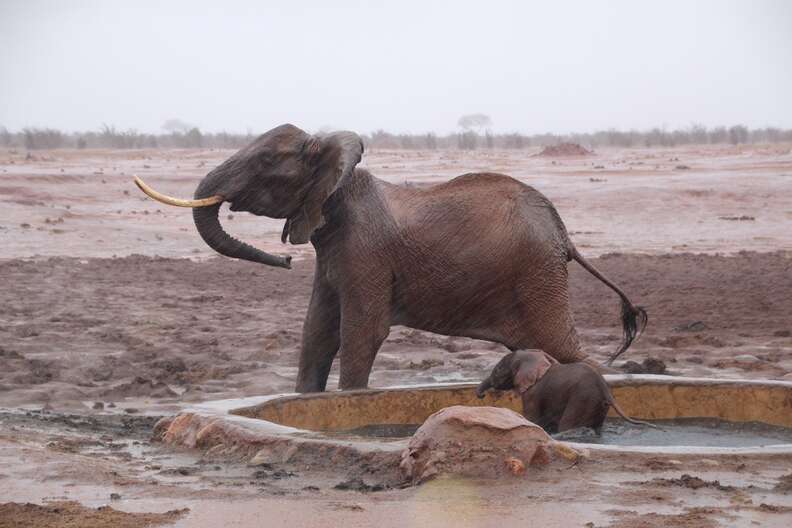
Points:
x=486, y=306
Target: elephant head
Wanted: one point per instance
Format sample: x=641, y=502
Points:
x=285, y=173
x=518, y=370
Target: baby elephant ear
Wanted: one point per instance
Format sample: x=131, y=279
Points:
x=530, y=372
x=334, y=157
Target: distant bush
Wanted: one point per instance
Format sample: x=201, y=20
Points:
x=467, y=140
x=43, y=138
x=738, y=134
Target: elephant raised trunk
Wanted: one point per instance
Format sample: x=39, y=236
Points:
x=206, y=214
x=285, y=173
x=207, y=221
x=483, y=387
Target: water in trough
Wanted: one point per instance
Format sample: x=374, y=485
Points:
x=701, y=432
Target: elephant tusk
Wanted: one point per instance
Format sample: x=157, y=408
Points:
x=203, y=202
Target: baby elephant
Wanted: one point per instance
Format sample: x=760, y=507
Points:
x=555, y=396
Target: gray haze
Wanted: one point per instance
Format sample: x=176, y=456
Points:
x=405, y=66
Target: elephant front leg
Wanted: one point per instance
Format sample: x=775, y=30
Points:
x=365, y=324
x=530, y=408
x=320, y=340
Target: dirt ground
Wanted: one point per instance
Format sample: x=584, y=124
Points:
x=113, y=312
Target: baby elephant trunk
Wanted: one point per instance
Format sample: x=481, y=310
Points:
x=483, y=387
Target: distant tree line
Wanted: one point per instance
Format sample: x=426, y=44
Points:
x=110, y=137
x=656, y=137
x=469, y=139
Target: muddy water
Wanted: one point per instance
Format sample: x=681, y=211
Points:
x=384, y=431
x=699, y=432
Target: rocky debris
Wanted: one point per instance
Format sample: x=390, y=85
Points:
x=772, y=508
x=741, y=218
x=564, y=149
x=169, y=368
x=748, y=362
x=689, y=481
x=72, y=513
x=649, y=365
x=357, y=484
x=693, y=326
x=691, y=518
x=425, y=364
x=690, y=341
x=784, y=484
x=39, y=371
x=481, y=442
x=355, y=507
x=746, y=358
x=662, y=464
x=10, y=354
x=183, y=471
x=276, y=474
x=140, y=387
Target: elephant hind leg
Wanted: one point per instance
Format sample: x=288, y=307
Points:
x=545, y=318
x=563, y=345
x=582, y=411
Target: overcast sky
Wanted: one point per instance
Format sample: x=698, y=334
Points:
x=402, y=65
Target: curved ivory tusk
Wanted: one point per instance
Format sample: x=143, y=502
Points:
x=203, y=202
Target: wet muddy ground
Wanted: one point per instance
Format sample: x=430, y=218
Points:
x=144, y=333
x=94, y=348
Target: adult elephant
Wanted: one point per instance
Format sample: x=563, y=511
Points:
x=481, y=256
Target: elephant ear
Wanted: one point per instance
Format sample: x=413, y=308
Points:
x=334, y=157
x=530, y=372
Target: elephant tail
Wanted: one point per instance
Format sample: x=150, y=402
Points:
x=634, y=318
x=627, y=418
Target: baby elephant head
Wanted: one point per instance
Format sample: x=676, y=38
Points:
x=518, y=370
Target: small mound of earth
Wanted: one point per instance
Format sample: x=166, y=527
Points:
x=692, y=518
x=693, y=326
x=68, y=514
x=564, y=149
x=692, y=482
x=648, y=366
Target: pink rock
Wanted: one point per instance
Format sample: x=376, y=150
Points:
x=479, y=442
